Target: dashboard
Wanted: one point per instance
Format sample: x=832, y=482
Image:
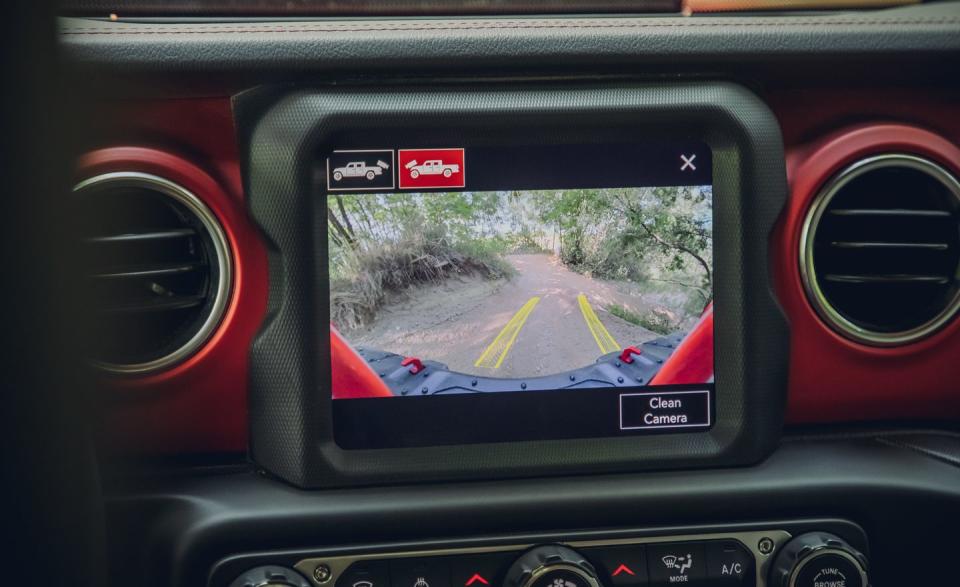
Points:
x=568, y=300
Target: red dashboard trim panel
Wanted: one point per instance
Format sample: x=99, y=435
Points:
x=834, y=379
x=201, y=405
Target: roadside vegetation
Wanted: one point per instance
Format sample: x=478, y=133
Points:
x=657, y=235
x=384, y=245
x=659, y=240
x=658, y=320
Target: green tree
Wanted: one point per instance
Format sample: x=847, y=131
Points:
x=674, y=221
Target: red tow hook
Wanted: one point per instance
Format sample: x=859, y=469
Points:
x=417, y=364
x=627, y=354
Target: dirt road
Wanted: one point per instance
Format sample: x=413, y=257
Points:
x=545, y=319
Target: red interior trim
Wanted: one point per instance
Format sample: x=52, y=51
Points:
x=832, y=378
x=200, y=403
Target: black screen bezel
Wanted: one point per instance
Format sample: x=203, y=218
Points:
x=552, y=408
x=282, y=139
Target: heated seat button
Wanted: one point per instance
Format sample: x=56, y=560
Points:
x=420, y=572
x=729, y=563
x=677, y=563
x=620, y=565
x=365, y=574
x=484, y=570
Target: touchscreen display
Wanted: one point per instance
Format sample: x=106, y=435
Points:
x=510, y=293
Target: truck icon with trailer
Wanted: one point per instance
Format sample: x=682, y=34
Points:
x=431, y=167
x=360, y=169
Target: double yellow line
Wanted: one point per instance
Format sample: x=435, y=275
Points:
x=604, y=339
x=494, y=355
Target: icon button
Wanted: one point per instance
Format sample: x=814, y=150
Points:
x=681, y=563
x=365, y=574
x=360, y=171
x=624, y=566
x=483, y=570
x=729, y=563
x=419, y=572
x=623, y=570
x=687, y=162
x=669, y=409
x=431, y=168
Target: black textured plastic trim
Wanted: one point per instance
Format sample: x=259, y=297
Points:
x=171, y=530
x=918, y=43
x=283, y=138
x=514, y=545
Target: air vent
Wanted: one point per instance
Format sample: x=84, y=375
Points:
x=880, y=250
x=160, y=270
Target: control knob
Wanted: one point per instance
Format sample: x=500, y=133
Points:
x=270, y=576
x=551, y=566
x=819, y=559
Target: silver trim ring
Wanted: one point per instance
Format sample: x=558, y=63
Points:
x=221, y=250
x=823, y=550
x=807, y=269
x=570, y=568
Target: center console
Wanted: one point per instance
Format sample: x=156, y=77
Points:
x=794, y=554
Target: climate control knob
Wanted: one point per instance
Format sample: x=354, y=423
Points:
x=551, y=566
x=819, y=559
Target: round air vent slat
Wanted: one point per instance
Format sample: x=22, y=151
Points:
x=151, y=272
x=141, y=236
x=880, y=250
x=160, y=304
x=867, y=245
x=159, y=268
x=940, y=280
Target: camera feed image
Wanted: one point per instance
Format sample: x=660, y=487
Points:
x=511, y=291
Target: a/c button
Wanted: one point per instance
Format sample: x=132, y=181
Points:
x=729, y=563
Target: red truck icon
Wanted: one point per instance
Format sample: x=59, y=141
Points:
x=431, y=167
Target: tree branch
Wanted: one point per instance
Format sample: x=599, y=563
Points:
x=703, y=293
x=346, y=217
x=679, y=247
x=338, y=228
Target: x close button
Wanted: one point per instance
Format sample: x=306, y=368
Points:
x=621, y=566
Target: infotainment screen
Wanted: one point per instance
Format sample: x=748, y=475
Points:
x=514, y=293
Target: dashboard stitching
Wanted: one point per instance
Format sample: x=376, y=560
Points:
x=499, y=26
